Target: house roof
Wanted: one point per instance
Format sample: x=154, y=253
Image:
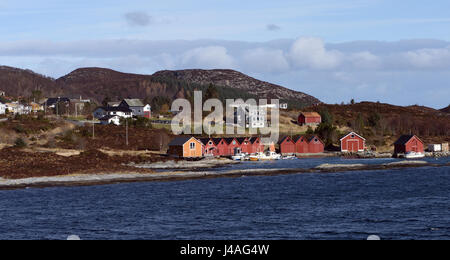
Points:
x=134, y=102
x=284, y=139
x=314, y=137
x=113, y=104
x=205, y=141
x=353, y=134
x=229, y=140
x=241, y=140
x=105, y=118
x=253, y=139
x=52, y=101
x=404, y=139
x=179, y=141
x=310, y=114
x=296, y=139
x=115, y=109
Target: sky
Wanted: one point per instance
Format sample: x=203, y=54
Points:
x=369, y=50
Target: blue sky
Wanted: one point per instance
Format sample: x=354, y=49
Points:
x=377, y=50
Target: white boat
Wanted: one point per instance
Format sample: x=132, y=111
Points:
x=291, y=157
x=239, y=157
x=268, y=156
x=414, y=155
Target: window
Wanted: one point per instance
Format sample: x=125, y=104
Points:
x=353, y=136
x=192, y=146
x=210, y=143
x=234, y=142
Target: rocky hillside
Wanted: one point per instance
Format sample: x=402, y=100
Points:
x=237, y=80
x=17, y=82
x=100, y=83
x=446, y=110
x=380, y=122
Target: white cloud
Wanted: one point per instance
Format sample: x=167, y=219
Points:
x=309, y=52
x=265, y=60
x=365, y=60
x=429, y=58
x=211, y=57
x=398, y=72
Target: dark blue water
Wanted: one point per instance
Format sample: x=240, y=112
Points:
x=308, y=163
x=394, y=204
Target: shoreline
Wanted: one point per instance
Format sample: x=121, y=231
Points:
x=132, y=177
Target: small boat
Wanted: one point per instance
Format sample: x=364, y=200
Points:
x=265, y=156
x=239, y=157
x=414, y=155
x=291, y=157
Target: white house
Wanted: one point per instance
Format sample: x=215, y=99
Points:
x=137, y=106
x=255, y=116
x=18, y=109
x=2, y=108
x=435, y=147
x=110, y=120
x=113, y=111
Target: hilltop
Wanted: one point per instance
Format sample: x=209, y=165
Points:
x=17, y=82
x=101, y=83
x=237, y=80
x=446, y=110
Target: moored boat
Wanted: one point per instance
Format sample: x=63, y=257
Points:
x=414, y=155
x=268, y=156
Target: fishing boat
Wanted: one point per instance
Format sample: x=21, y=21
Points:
x=268, y=156
x=239, y=157
x=414, y=155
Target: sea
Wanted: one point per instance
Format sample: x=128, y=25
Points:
x=400, y=204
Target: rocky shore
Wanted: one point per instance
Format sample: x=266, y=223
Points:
x=127, y=177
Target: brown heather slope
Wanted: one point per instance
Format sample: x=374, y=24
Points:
x=446, y=110
x=237, y=80
x=99, y=83
x=433, y=126
x=17, y=82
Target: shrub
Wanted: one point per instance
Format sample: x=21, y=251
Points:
x=20, y=143
x=19, y=129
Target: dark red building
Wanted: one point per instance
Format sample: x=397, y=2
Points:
x=315, y=145
x=408, y=143
x=210, y=146
x=234, y=147
x=246, y=145
x=353, y=143
x=257, y=145
x=301, y=145
x=222, y=147
x=287, y=146
x=309, y=118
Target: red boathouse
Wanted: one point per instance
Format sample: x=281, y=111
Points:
x=287, y=146
x=210, y=146
x=257, y=146
x=315, y=145
x=353, y=143
x=409, y=143
x=309, y=118
x=301, y=145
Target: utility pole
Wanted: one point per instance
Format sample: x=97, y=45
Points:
x=93, y=126
x=126, y=120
